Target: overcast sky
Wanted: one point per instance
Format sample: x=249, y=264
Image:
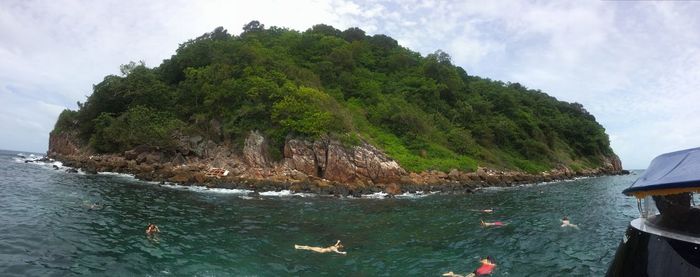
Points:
x=635, y=65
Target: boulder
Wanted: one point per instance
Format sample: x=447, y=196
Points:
x=198, y=178
x=178, y=159
x=405, y=179
x=373, y=164
x=454, y=175
x=338, y=164
x=141, y=158
x=179, y=178
x=440, y=174
x=90, y=170
x=144, y=168
x=255, y=150
x=209, y=148
x=300, y=156
x=392, y=189
x=430, y=178
x=130, y=155
x=194, y=144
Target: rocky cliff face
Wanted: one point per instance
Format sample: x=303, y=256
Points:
x=613, y=164
x=330, y=160
x=64, y=143
x=320, y=165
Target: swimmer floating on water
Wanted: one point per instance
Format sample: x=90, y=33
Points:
x=334, y=248
x=486, y=268
x=486, y=211
x=495, y=223
x=565, y=223
x=452, y=274
x=92, y=206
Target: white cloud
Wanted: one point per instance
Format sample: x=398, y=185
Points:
x=53, y=52
x=25, y=122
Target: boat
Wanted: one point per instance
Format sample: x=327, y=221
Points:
x=665, y=239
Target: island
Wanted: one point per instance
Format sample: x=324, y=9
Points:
x=325, y=111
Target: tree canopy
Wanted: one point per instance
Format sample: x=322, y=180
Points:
x=423, y=111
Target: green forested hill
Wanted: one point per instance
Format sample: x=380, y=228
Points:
x=424, y=112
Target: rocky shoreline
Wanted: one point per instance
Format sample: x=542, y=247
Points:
x=323, y=167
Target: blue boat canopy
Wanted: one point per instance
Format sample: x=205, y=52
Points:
x=670, y=173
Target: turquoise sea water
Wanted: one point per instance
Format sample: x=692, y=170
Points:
x=50, y=227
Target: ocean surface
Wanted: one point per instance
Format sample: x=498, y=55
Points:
x=54, y=223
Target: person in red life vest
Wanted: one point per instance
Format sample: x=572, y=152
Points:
x=486, y=268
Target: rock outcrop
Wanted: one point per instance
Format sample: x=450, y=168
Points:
x=613, y=164
x=255, y=150
x=330, y=160
x=323, y=166
x=63, y=143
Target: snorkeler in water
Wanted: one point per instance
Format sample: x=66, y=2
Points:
x=152, y=229
x=566, y=223
x=495, y=223
x=91, y=205
x=333, y=248
x=486, y=268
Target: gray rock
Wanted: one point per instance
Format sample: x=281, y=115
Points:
x=179, y=159
x=255, y=150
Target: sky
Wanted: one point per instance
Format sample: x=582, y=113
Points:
x=634, y=65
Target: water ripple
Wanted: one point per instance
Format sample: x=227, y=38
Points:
x=58, y=223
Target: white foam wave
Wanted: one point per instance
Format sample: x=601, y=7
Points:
x=22, y=160
x=228, y=191
x=405, y=195
x=580, y=178
x=206, y=189
x=376, y=195
x=117, y=174
x=527, y=185
x=417, y=194
x=277, y=193
x=491, y=189
x=285, y=193
x=38, y=160
x=304, y=194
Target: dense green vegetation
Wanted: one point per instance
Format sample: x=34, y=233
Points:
x=423, y=111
